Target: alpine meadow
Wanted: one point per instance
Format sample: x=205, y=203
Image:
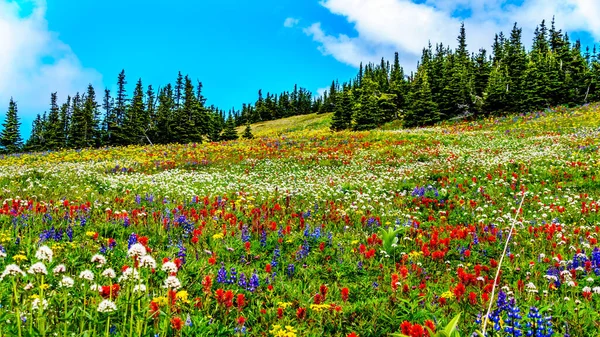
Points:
x=458, y=199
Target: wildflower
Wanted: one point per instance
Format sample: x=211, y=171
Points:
x=136, y=250
x=147, y=261
x=107, y=306
x=301, y=313
x=130, y=274
x=11, y=269
x=344, y=292
x=169, y=267
x=86, y=275
x=99, y=259
x=59, y=269
x=139, y=288
x=38, y=268
x=66, y=282
x=172, y=282
x=176, y=323
x=20, y=257
x=38, y=304
x=109, y=273
x=44, y=253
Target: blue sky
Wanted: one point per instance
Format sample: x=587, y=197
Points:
x=238, y=47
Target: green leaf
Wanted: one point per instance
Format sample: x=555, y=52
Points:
x=451, y=327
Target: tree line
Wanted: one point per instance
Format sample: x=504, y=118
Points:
x=448, y=84
x=454, y=83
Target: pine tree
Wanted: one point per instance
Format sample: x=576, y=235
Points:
x=54, y=137
x=497, y=90
x=229, y=133
x=423, y=110
x=10, y=137
x=117, y=117
x=34, y=142
x=136, y=120
x=248, y=132
x=165, y=117
x=107, y=105
x=65, y=120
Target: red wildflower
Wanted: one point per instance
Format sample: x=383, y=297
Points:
x=323, y=290
x=176, y=323
x=405, y=328
x=268, y=268
x=318, y=299
x=301, y=313
x=247, y=245
x=198, y=302
x=417, y=331
x=344, y=294
x=459, y=291
x=394, y=282
x=241, y=320
x=207, y=284
x=352, y=334
x=429, y=323
x=212, y=260
x=241, y=301
x=279, y=313
x=472, y=298
x=154, y=308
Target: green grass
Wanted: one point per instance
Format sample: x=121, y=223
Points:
x=290, y=124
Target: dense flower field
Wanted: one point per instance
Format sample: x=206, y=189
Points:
x=310, y=234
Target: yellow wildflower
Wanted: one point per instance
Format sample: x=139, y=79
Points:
x=447, y=294
x=217, y=236
x=183, y=296
x=160, y=300
x=20, y=257
x=284, y=305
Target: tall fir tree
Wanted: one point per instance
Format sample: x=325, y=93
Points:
x=10, y=136
x=423, y=110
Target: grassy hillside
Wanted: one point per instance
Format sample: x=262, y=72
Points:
x=291, y=124
x=307, y=232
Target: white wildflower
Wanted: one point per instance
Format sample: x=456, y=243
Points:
x=147, y=261
x=86, y=275
x=172, y=282
x=66, y=282
x=109, y=273
x=169, y=267
x=99, y=259
x=130, y=274
x=28, y=286
x=107, y=306
x=11, y=270
x=35, y=304
x=38, y=268
x=136, y=250
x=59, y=269
x=140, y=288
x=44, y=253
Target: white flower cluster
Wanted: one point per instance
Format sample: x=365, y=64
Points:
x=12, y=270
x=147, y=261
x=44, y=253
x=99, y=259
x=38, y=268
x=107, y=306
x=169, y=267
x=172, y=282
x=86, y=275
x=136, y=250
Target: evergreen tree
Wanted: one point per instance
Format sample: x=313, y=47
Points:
x=65, y=122
x=423, y=110
x=54, y=136
x=107, y=105
x=229, y=132
x=117, y=117
x=10, y=137
x=136, y=120
x=165, y=124
x=247, y=132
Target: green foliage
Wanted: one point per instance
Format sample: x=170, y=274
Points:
x=10, y=137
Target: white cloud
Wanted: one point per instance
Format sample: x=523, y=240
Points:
x=385, y=26
x=34, y=62
x=322, y=91
x=291, y=22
